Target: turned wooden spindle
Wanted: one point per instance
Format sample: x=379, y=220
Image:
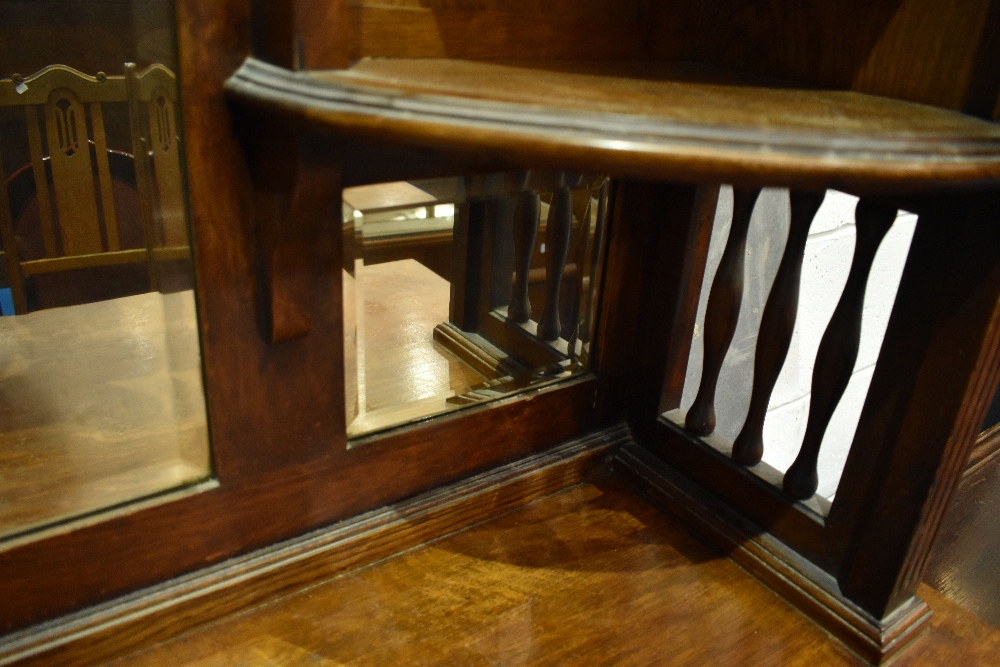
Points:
x=582, y=249
x=557, y=237
x=776, y=326
x=722, y=312
x=838, y=350
x=526, y=214
x=587, y=316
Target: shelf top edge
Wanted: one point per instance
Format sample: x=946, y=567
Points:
x=916, y=147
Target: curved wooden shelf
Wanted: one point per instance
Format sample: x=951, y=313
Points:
x=656, y=120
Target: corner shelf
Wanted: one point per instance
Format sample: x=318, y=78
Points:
x=642, y=119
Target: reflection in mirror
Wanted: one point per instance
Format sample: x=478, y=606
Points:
x=101, y=398
x=462, y=290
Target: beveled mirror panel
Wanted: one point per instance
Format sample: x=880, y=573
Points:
x=101, y=397
x=464, y=290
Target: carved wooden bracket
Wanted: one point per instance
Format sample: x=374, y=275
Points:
x=297, y=192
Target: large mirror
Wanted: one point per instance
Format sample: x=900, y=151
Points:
x=101, y=398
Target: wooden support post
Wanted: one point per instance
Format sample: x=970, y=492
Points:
x=938, y=368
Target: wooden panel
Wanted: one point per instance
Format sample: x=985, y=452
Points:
x=88, y=35
x=273, y=31
x=755, y=491
x=963, y=563
x=930, y=391
x=594, y=29
x=653, y=226
x=919, y=50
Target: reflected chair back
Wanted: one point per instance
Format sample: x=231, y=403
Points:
x=88, y=185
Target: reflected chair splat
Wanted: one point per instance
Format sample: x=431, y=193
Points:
x=80, y=187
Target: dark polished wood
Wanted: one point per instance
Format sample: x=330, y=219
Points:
x=914, y=436
x=776, y=326
x=291, y=217
x=578, y=295
x=487, y=30
x=526, y=220
x=597, y=253
x=922, y=52
x=963, y=564
x=838, y=349
x=679, y=348
x=810, y=589
x=557, y=238
x=723, y=312
x=164, y=611
x=575, y=578
x=596, y=90
x=276, y=411
x=660, y=120
x=653, y=226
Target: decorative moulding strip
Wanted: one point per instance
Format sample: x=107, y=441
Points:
x=985, y=451
x=164, y=611
x=631, y=144
x=802, y=584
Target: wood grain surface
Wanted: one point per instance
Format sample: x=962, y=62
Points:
x=406, y=376
x=930, y=51
x=637, y=119
x=963, y=565
x=589, y=576
x=172, y=607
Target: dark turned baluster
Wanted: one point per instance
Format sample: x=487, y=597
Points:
x=586, y=319
x=582, y=200
x=839, y=348
x=776, y=326
x=557, y=236
x=723, y=312
x=526, y=214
